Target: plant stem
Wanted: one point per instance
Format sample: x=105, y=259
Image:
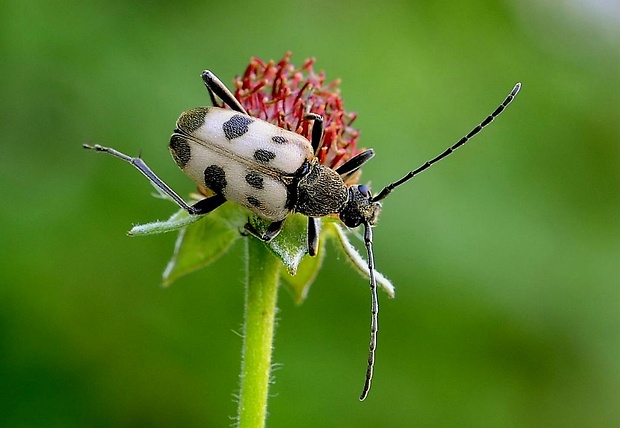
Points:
x=263, y=272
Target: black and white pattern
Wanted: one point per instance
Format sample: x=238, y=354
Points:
x=236, y=126
x=215, y=179
x=180, y=150
x=251, y=140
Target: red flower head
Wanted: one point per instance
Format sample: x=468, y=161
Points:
x=282, y=94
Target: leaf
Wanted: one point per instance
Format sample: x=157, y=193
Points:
x=299, y=284
x=291, y=244
x=204, y=239
x=177, y=221
x=335, y=231
x=201, y=243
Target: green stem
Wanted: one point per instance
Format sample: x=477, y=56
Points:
x=263, y=272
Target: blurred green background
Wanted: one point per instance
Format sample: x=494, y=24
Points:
x=505, y=256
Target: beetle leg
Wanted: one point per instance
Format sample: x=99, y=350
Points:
x=216, y=87
x=205, y=206
x=313, y=236
x=140, y=165
x=355, y=162
x=214, y=100
x=272, y=230
x=317, y=130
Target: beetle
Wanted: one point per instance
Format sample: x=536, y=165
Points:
x=274, y=172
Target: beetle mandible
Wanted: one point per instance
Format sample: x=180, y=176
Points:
x=274, y=172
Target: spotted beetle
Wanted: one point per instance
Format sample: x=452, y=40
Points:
x=274, y=172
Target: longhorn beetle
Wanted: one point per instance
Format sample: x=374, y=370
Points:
x=274, y=172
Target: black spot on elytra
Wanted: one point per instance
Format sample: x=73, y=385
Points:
x=253, y=201
x=192, y=119
x=264, y=156
x=180, y=150
x=279, y=139
x=236, y=126
x=215, y=179
x=254, y=179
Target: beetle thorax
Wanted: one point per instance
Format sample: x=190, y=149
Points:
x=320, y=192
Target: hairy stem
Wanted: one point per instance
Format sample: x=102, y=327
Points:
x=260, y=309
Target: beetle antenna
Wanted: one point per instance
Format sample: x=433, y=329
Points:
x=374, y=311
x=388, y=189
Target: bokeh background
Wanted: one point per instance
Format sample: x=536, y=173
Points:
x=506, y=255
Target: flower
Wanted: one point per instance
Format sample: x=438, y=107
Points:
x=281, y=94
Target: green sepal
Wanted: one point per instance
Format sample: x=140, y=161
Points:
x=299, y=284
x=291, y=244
x=177, y=221
x=201, y=243
x=333, y=230
x=204, y=239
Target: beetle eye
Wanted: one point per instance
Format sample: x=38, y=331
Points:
x=364, y=190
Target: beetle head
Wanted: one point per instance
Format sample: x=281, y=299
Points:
x=360, y=207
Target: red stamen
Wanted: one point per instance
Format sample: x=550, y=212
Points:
x=282, y=94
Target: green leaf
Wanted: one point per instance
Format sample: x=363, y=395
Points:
x=201, y=243
x=177, y=221
x=334, y=231
x=291, y=244
x=299, y=284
